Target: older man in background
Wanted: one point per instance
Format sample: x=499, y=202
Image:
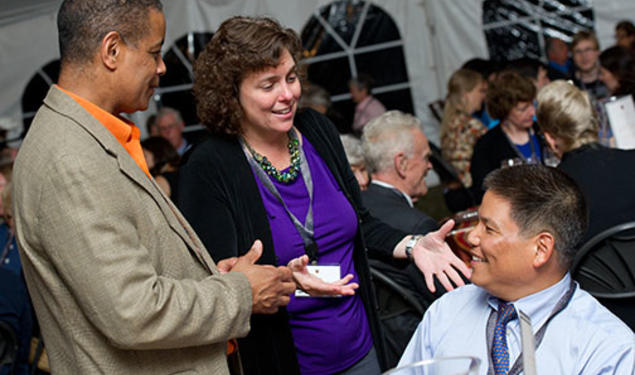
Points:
x=560, y=64
x=170, y=125
x=398, y=156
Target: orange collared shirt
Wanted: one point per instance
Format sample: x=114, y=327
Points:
x=123, y=130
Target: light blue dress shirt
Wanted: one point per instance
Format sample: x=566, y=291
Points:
x=584, y=338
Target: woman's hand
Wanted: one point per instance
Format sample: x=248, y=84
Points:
x=433, y=257
x=315, y=286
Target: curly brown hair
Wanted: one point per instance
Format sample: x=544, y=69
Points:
x=509, y=89
x=241, y=46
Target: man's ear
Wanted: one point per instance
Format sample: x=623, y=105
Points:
x=544, y=251
x=110, y=50
x=400, y=162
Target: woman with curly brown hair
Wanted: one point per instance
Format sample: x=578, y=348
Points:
x=272, y=174
x=510, y=98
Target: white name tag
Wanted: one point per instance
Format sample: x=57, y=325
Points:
x=328, y=273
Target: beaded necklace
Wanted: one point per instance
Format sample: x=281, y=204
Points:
x=265, y=164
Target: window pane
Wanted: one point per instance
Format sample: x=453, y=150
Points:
x=178, y=59
x=36, y=90
x=386, y=67
x=542, y=19
x=333, y=75
x=378, y=27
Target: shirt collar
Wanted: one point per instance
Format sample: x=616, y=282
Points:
x=538, y=306
x=389, y=186
x=120, y=127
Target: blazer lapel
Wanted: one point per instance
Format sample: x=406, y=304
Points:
x=64, y=104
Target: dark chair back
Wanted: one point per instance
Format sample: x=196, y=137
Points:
x=605, y=267
x=400, y=311
x=8, y=344
x=457, y=196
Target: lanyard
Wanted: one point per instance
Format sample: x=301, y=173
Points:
x=304, y=230
x=533, y=159
x=7, y=247
x=518, y=365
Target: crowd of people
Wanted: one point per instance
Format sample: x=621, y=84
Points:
x=250, y=252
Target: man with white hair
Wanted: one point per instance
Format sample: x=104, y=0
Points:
x=171, y=125
x=398, y=154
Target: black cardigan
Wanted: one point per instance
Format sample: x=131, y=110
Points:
x=219, y=196
x=490, y=150
x=607, y=179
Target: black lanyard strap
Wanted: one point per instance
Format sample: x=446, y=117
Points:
x=7, y=247
x=305, y=230
x=534, y=156
x=518, y=364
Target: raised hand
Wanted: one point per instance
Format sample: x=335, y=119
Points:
x=315, y=286
x=433, y=257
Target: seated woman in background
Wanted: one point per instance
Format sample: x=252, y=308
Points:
x=163, y=163
x=272, y=174
x=459, y=130
x=355, y=156
x=516, y=140
x=605, y=175
x=617, y=70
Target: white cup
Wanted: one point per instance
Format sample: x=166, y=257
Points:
x=440, y=366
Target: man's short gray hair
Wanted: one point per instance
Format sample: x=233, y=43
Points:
x=315, y=95
x=387, y=135
x=164, y=111
x=353, y=149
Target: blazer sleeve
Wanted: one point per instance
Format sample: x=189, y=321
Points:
x=92, y=239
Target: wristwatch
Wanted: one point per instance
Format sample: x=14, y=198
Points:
x=410, y=244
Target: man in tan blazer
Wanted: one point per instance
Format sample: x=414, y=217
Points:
x=119, y=281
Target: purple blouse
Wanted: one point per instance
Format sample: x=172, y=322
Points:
x=330, y=334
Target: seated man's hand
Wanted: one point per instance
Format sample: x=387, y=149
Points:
x=433, y=257
x=270, y=286
x=317, y=287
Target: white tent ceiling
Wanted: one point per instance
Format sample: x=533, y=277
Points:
x=12, y=11
x=438, y=36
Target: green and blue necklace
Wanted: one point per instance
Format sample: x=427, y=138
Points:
x=294, y=151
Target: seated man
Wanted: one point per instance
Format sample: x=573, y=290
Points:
x=560, y=64
x=529, y=222
x=170, y=124
x=398, y=154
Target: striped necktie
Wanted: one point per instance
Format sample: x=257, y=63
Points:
x=500, y=354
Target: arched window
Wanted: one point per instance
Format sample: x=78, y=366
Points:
x=349, y=37
x=518, y=28
x=176, y=85
x=36, y=90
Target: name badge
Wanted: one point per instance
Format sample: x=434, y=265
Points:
x=328, y=273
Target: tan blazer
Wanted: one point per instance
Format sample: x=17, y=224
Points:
x=116, y=283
